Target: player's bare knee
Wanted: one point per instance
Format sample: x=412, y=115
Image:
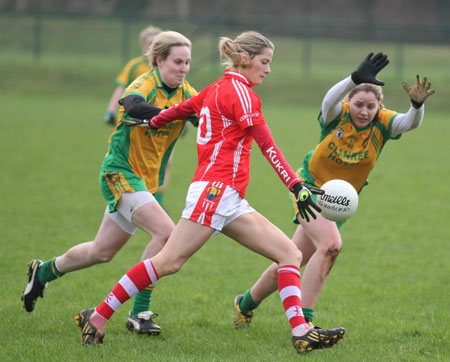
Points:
x=333, y=252
x=104, y=256
x=162, y=235
x=331, y=255
x=330, y=247
x=166, y=233
x=157, y=244
x=293, y=256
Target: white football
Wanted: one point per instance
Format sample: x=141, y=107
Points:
x=339, y=201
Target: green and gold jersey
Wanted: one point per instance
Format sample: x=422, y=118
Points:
x=143, y=151
x=133, y=69
x=345, y=151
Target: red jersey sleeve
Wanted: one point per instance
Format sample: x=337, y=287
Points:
x=263, y=137
x=246, y=105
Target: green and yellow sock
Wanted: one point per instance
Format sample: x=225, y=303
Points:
x=48, y=271
x=142, y=300
x=247, y=303
x=308, y=313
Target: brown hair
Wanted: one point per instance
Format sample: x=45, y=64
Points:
x=250, y=41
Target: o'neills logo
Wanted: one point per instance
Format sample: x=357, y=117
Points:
x=332, y=199
x=273, y=157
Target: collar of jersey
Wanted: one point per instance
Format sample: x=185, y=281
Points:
x=237, y=75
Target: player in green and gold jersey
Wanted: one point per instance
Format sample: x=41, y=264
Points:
x=133, y=69
x=129, y=176
x=353, y=134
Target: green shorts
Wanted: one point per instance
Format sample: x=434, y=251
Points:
x=114, y=183
x=295, y=208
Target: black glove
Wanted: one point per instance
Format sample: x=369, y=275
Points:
x=110, y=118
x=134, y=122
x=369, y=68
x=304, y=201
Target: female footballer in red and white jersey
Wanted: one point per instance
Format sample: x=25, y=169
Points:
x=230, y=118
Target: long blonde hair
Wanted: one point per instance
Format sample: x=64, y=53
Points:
x=162, y=44
x=251, y=42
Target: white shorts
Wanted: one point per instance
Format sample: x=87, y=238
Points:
x=214, y=204
x=128, y=204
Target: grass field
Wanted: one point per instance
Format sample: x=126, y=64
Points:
x=389, y=288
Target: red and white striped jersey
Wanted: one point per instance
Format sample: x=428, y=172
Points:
x=226, y=108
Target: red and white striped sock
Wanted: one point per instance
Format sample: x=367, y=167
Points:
x=289, y=289
x=136, y=279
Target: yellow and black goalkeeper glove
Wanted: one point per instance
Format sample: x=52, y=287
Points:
x=304, y=200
